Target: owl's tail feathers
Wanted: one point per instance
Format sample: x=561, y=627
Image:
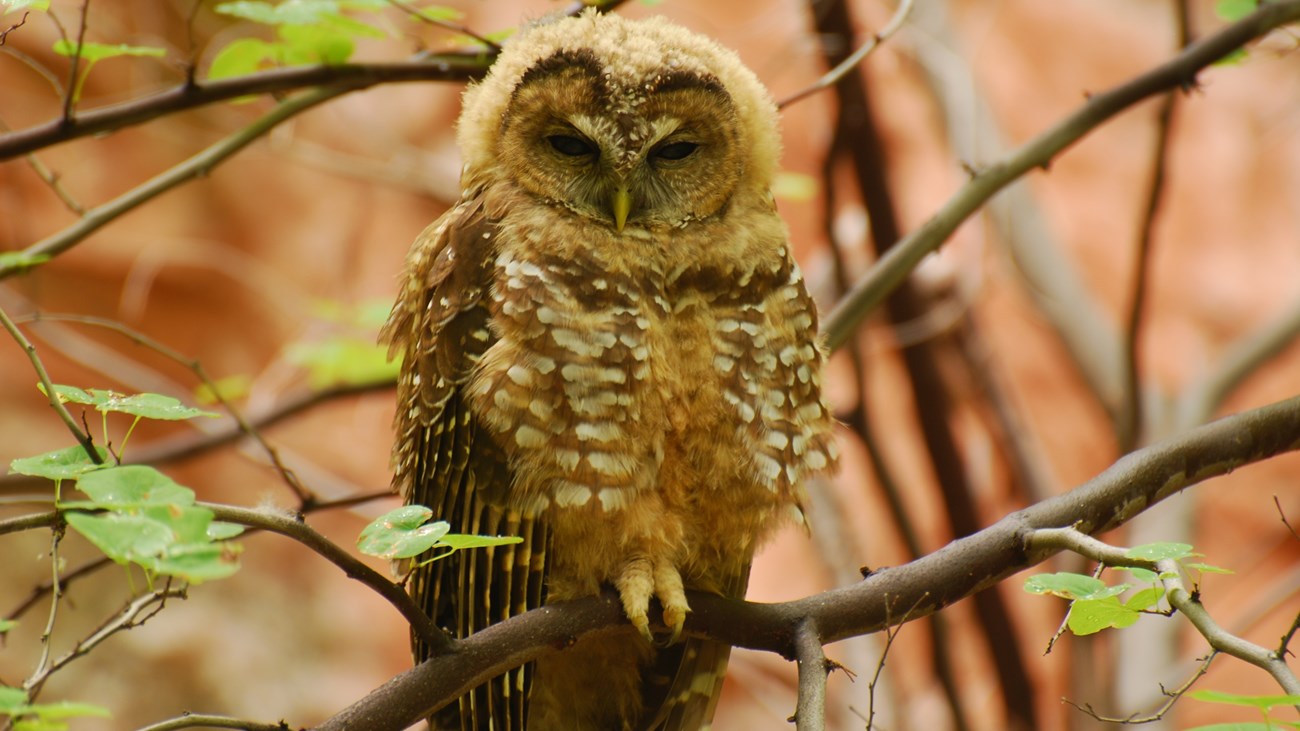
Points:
x=687, y=698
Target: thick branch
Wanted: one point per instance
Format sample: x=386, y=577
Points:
x=963, y=567
x=1178, y=73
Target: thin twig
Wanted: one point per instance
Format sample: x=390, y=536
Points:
x=135, y=613
x=43, y=666
x=1282, y=514
x=59, y=581
x=1129, y=429
x=4, y=35
x=199, y=720
x=1171, y=697
x=1241, y=359
x=830, y=78
x=82, y=437
x=445, y=24
x=299, y=531
x=70, y=93
x=1179, y=72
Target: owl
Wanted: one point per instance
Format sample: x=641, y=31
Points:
x=608, y=351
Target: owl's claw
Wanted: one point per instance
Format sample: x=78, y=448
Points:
x=643, y=578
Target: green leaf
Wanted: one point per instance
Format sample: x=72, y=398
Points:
x=438, y=13
x=61, y=464
x=1159, y=551
x=794, y=186
x=220, y=530
x=13, y=6
x=1208, y=569
x=19, y=260
x=1090, y=617
x=1233, y=58
x=11, y=698
x=1238, y=726
x=1066, y=585
x=93, y=52
x=343, y=360
x=1142, y=575
x=1262, y=702
x=308, y=44
x=196, y=562
x=1231, y=10
x=457, y=541
x=123, y=538
x=6, y=625
x=1145, y=599
x=133, y=486
x=402, y=533
x=67, y=709
x=147, y=406
x=242, y=56
x=296, y=12
x=69, y=394
x=229, y=388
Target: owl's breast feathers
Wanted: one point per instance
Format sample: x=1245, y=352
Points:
x=677, y=361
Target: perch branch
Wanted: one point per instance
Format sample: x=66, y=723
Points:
x=1130, y=486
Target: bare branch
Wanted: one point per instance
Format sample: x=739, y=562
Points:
x=813, y=669
x=199, y=720
x=135, y=613
x=832, y=77
x=954, y=572
x=445, y=25
x=1171, y=697
x=1178, y=73
x=4, y=34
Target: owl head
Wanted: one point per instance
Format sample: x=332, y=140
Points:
x=629, y=123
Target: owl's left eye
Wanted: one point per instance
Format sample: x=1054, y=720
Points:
x=571, y=146
x=674, y=151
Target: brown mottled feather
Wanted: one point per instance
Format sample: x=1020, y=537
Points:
x=442, y=460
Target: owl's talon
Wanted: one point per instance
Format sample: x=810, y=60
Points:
x=675, y=618
x=643, y=578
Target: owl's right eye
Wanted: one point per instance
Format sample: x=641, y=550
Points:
x=571, y=146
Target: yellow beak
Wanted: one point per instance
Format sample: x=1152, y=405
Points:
x=621, y=204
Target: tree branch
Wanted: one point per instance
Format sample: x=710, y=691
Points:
x=963, y=567
x=299, y=531
x=1178, y=73
x=1176, y=594
x=813, y=669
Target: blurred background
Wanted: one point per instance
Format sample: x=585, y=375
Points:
x=994, y=381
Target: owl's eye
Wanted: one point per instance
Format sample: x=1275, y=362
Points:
x=571, y=146
x=674, y=151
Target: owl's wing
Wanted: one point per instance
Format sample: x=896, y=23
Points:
x=443, y=460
